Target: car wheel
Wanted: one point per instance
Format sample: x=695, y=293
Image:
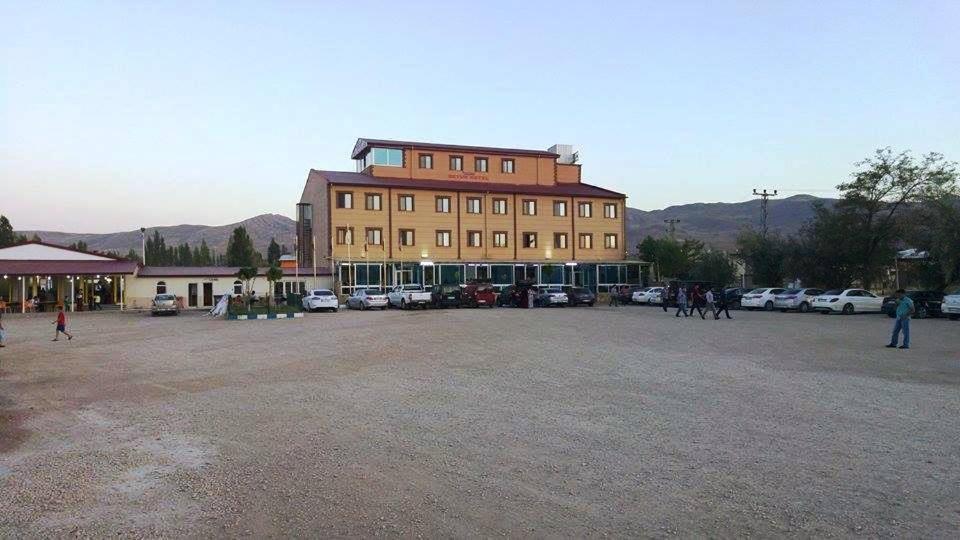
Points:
x=848, y=309
x=403, y=304
x=804, y=307
x=768, y=306
x=362, y=307
x=922, y=312
x=735, y=305
x=589, y=304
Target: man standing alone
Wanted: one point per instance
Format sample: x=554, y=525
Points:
x=904, y=310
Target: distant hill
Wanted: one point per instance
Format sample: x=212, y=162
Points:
x=716, y=224
x=260, y=228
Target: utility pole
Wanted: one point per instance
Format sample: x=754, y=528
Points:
x=672, y=227
x=143, y=245
x=764, y=197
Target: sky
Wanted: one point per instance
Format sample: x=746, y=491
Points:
x=117, y=115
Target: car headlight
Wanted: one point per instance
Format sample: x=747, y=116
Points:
x=832, y=300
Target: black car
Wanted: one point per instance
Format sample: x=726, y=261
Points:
x=733, y=296
x=925, y=303
x=444, y=296
x=625, y=292
x=515, y=295
x=579, y=296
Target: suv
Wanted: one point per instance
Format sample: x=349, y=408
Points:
x=580, y=296
x=798, y=299
x=479, y=293
x=925, y=304
x=734, y=296
x=516, y=295
x=444, y=296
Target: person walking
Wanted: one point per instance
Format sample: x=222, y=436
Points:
x=696, y=301
x=614, y=296
x=905, y=310
x=681, y=302
x=666, y=297
x=710, y=304
x=3, y=332
x=61, y=323
x=722, y=306
x=96, y=302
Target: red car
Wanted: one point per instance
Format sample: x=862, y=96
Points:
x=479, y=293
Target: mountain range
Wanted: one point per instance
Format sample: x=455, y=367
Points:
x=716, y=224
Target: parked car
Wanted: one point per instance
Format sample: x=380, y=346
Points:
x=551, y=297
x=444, y=296
x=761, y=298
x=951, y=303
x=626, y=292
x=580, y=296
x=848, y=301
x=925, y=304
x=165, y=304
x=320, y=300
x=409, y=296
x=646, y=295
x=367, y=299
x=734, y=296
x=478, y=293
x=798, y=299
x=515, y=295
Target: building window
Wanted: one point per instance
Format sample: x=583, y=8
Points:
x=161, y=287
x=585, y=209
x=560, y=208
x=374, y=236
x=443, y=238
x=610, y=241
x=586, y=241
x=456, y=163
x=374, y=201
x=529, y=239
x=499, y=239
x=443, y=204
x=345, y=236
x=405, y=203
x=480, y=164
x=238, y=287
x=499, y=206
x=426, y=161
x=474, y=238
x=507, y=166
x=392, y=157
x=407, y=237
x=529, y=207
x=610, y=210
x=474, y=205
x=345, y=199
x=560, y=240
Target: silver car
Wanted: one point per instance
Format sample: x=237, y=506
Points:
x=367, y=299
x=798, y=299
x=165, y=304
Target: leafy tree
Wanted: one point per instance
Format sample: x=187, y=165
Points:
x=273, y=252
x=274, y=274
x=671, y=257
x=763, y=256
x=715, y=267
x=240, y=251
x=247, y=274
x=78, y=245
x=7, y=236
x=205, y=257
x=132, y=255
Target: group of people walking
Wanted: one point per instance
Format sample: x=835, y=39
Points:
x=695, y=300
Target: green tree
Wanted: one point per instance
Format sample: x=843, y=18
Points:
x=273, y=252
x=132, y=255
x=715, y=267
x=274, y=274
x=78, y=245
x=7, y=236
x=673, y=259
x=240, y=251
x=763, y=256
x=206, y=258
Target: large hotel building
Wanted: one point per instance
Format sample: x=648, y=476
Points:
x=443, y=214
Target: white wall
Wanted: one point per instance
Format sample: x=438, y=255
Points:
x=139, y=291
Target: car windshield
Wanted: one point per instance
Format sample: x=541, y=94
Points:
x=579, y=290
x=833, y=292
x=166, y=297
x=757, y=291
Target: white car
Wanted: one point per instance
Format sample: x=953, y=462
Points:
x=367, y=299
x=761, y=298
x=321, y=300
x=950, y=306
x=551, y=296
x=409, y=296
x=798, y=299
x=646, y=295
x=848, y=301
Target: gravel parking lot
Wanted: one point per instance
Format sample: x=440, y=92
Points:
x=549, y=422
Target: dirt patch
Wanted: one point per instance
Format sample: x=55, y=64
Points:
x=12, y=434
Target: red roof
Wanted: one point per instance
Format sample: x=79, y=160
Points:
x=360, y=179
x=66, y=268
x=217, y=271
x=364, y=144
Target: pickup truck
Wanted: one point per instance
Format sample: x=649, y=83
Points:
x=409, y=296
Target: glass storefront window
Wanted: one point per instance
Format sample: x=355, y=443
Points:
x=502, y=274
x=552, y=274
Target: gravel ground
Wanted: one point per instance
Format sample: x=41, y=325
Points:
x=466, y=423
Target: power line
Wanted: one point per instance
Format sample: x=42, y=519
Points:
x=764, y=198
